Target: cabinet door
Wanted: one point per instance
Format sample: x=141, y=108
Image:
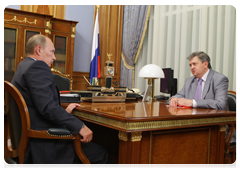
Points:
x=15, y=39
x=28, y=33
x=60, y=43
x=10, y=51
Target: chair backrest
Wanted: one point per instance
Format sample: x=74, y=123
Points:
x=14, y=120
x=17, y=114
x=63, y=81
x=232, y=100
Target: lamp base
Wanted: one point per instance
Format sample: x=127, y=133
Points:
x=151, y=82
x=154, y=100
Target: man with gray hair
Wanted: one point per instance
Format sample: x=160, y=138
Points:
x=205, y=89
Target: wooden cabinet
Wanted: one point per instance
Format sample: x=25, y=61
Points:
x=63, y=35
x=19, y=26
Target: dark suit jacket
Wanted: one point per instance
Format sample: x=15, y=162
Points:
x=215, y=92
x=35, y=81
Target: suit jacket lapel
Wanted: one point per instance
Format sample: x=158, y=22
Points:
x=207, y=83
x=194, y=87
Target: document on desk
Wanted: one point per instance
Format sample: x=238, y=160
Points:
x=183, y=107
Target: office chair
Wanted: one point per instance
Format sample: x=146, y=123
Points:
x=19, y=128
x=63, y=81
x=230, y=148
x=232, y=100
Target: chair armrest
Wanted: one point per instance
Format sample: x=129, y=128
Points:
x=46, y=135
x=58, y=131
x=55, y=133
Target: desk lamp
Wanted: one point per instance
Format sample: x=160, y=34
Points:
x=151, y=72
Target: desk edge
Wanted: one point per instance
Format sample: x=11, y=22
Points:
x=147, y=125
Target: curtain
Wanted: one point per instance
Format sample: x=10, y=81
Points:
x=134, y=26
x=174, y=32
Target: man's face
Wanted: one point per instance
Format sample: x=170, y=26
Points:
x=47, y=53
x=198, y=68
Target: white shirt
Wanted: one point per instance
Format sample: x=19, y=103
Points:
x=33, y=58
x=204, y=77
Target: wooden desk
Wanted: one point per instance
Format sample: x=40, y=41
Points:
x=153, y=133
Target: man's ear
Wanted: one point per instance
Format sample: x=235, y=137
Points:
x=38, y=49
x=206, y=64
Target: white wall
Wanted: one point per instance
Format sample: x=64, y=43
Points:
x=83, y=38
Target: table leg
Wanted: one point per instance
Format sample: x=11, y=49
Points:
x=129, y=147
x=221, y=144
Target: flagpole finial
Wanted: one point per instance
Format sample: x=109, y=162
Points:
x=98, y=6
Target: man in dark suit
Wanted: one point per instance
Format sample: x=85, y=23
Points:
x=34, y=80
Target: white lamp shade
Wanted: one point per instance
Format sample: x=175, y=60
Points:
x=151, y=71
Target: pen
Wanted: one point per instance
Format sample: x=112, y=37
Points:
x=86, y=80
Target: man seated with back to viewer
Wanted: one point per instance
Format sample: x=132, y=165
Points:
x=205, y=89
x=34, y=80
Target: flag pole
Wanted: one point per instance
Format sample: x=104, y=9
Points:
x=95, y=72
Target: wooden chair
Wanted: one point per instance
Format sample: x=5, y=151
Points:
x=230, y=148
x=63, y=81
x=19, y=127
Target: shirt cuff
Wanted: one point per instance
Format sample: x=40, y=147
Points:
x=194, y=103
x=83, y=125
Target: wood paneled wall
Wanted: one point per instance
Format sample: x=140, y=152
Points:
x=79, y=82
x=110, y=41
x=110, y=35
x=57, y=11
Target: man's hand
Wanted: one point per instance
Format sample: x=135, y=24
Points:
x=184, y=102
x=72, y=106
x=86, y=134
x=173, y=101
